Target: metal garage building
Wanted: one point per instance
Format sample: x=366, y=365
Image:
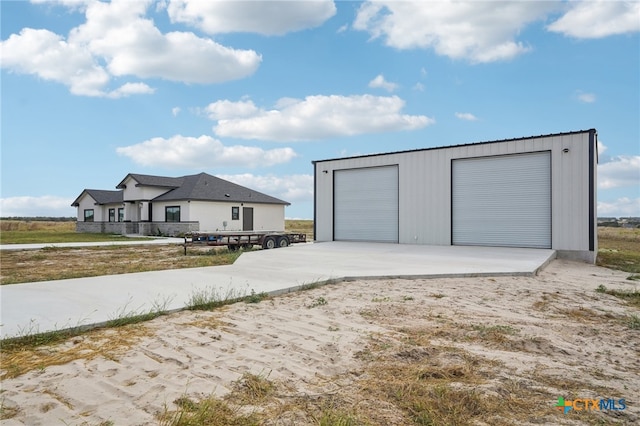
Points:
x=536, y=192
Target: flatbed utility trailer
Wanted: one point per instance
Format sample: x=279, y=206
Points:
x=245, y=239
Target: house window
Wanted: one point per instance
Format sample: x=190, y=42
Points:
x=235, y=213
x=121, y=214
x=88, y=215
x=172, y=214
x=112, y=215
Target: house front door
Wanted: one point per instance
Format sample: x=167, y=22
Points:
x=247, y=218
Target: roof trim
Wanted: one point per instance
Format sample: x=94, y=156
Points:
x=455, y=146
x=100, y=197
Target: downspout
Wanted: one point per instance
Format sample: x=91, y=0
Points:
x=315, y=198
x=593, y=161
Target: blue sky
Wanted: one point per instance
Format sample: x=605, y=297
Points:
x=253, y=92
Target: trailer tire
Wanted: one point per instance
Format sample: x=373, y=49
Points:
x=269, y=243
x=283, y=242
x=232, y=247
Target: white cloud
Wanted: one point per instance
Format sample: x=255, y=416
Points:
x=380, y=83
x=418, y=87
x=129, y=89
x=204, y=151
x=317, y=117
x=467, y=116
x=175, y=111
x=222, y=110
x=621, y=207
x=132, y=45
x=47, y=55
x=44, y=206
x=597, y=19
x=619, y=171
x=262, y=17
x=476, y=31
x=290, y=188
x=587, y=98
x=117, y=40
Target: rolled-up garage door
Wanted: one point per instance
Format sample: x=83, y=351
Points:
x=366, y=204
x=502, y=200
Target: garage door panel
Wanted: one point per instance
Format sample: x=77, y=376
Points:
x=366, y=204
x=502, y=201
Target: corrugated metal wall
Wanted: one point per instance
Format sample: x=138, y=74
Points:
x=425, y=188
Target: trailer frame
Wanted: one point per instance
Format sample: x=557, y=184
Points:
x=235, y=240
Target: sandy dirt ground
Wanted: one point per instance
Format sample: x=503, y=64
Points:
x=525, y=340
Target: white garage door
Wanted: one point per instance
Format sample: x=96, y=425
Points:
x=366, y=204
x=502, y=201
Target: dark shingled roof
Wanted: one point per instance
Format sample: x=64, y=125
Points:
x=149, y=180
x=100, y=196
x=204, y=187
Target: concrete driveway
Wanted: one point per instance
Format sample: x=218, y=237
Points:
x=55, y=305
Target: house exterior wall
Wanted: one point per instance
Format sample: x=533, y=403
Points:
x=135, y=193
x=212, y=215
x=425, y=189
x=86, y=202
x=100, y=212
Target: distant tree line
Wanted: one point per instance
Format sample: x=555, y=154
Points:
x=40, y=219
x=623, y=222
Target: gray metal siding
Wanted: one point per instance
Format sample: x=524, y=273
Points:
x=425, y=195
x=366, y=204
x=502, y=200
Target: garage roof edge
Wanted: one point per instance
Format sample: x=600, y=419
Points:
x=458, y=145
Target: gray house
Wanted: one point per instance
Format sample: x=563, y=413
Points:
x=150, y=205
x=536, y=192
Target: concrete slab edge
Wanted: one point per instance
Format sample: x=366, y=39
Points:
x=316, y=284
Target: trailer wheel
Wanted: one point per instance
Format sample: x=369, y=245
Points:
x=247, y=246
x=283, y=242
x=232, y=247
x=269, y=243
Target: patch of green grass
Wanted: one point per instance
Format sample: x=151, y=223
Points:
x=209, y=298
x=630, y=296
x=208, y=412
x=53, y=237
x=320, y=301
x=336, y=417
x=256, y=297
x=124, y=316
x=249, y=390
x=31, y=338
x=633, y=322
x=619, y=248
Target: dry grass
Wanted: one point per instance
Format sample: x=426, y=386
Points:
x=33, y=226
x=50, y=263
x=19, y=266
x=416, y=374
x=108, y=343
x=619, y=248
x=300, y=226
